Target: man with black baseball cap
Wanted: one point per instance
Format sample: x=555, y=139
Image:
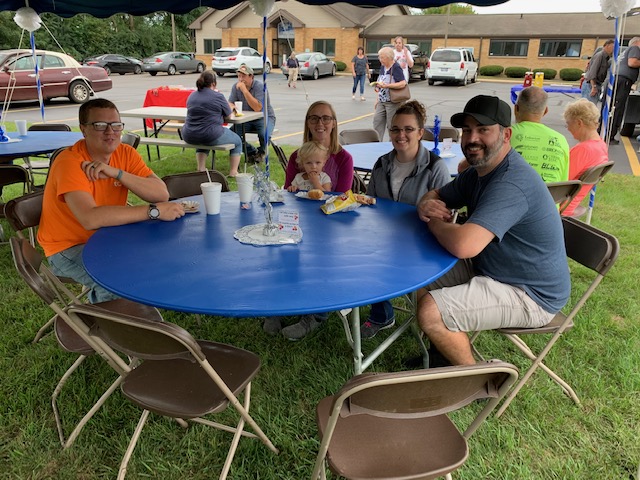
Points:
x=513, y=268
x=251, y=93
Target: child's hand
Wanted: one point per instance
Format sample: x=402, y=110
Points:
x=291, y=188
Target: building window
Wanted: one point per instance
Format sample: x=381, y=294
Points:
x=248, y=42
x=560, y=48
x=373, y=46
x=509, y=48
x=211, y=45
x=424, y=46
x=325, y=45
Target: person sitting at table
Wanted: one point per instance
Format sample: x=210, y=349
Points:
x=312, y=157
x=251, y=93
x=582, y=119
x=321, y=125
x=404, y=175
x=87, y=188
x=513, y=269
x=207, y=110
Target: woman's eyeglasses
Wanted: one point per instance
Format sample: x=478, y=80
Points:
x=102, y=126
x=406, y=130
x=316, y=118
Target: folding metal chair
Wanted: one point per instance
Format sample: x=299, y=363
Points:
x=282, y=157
x=563, y=192
x=188, y=184
x=30, y=265
x=591, y=177
x=358, y=135
x=11, y=175
x=591, y=248
x=37, y=167
x=445, y=132
x=131, y=138
x=395, y=425
x=358, y=185
x=178, y=377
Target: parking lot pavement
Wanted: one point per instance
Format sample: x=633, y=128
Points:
x=290, y=105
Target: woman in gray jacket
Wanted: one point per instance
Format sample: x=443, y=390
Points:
x=404, y=174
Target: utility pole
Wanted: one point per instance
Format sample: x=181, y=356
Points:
x=173, y=32
x=446, y=30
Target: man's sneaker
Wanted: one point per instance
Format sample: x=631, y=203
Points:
x=272, y=325
x=369, y=330
x=298, y=331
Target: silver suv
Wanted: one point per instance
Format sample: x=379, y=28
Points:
x=452, y=65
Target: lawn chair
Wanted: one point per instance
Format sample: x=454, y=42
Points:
x=178, y=377
x=395, y=425
x=46, y=285
x=591, y=248
x=563, y=192
x=358, y=135
x=188, y=184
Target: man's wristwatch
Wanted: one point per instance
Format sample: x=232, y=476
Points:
x=154, y=211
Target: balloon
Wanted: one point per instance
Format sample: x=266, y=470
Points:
x=27, y=19
x=262, y=8
x=616, y=8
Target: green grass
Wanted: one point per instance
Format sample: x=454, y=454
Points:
x=543, y=435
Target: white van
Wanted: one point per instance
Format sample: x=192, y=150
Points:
x=452, y=65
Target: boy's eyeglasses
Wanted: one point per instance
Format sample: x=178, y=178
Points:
x=316, y=118
x=102, y=126
x=406, y=130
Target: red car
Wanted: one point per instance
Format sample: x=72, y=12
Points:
x=60, y=76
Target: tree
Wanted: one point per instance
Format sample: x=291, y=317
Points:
x=456, y=9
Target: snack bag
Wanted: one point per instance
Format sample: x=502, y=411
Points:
x=344, y=202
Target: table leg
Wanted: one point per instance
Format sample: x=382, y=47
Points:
x=357, y=341
x=146, y=134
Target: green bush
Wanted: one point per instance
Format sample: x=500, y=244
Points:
x=549, y=73
x=491, y=70
x=515, y=72
x=341, y=66
x=571, y=74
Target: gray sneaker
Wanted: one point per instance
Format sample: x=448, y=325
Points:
x=298, y=331
x=272, y=325
x=369, y=330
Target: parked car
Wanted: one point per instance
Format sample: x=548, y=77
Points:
x=420, y=61
x=312, y=65
x=60, y=76
x=452, y=65
x=228, y=60
x=172, y=63
x=137, y=62
x=114, y=63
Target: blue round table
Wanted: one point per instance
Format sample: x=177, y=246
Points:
x=195, y=265
x=36, y=143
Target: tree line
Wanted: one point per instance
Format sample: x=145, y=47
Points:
x=83, y=36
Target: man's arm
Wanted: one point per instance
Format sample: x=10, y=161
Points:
x=150, y=189
x=253, y=102
x=634, y=62
x=92, y=216
x=462, y=241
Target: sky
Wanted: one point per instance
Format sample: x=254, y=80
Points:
x=543, y=6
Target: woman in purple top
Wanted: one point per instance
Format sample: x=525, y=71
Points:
x=206, y=112
x=321, y=126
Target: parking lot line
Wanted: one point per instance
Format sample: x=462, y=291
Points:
x=632, y=156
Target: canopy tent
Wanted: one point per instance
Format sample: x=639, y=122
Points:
x=102, y=8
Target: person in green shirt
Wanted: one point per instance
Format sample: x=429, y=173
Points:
x=545, y=149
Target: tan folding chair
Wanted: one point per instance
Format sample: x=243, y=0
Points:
x=591, y=248
x=282, y=157
x=178, y=377
x=445, y=132
x=188, y=184
x=395, y=425
x=131, y=138
x=37, y=167
x=563, y=192
x=592, y=176
x=45, y=284
x=11, y=175
x=358, y=135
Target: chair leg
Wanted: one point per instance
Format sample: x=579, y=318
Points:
x=90, y=413
x=58, y=389
x=132, y=445
x=237, y=435
x=43, y=329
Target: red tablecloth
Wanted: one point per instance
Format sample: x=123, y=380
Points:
x=166, y=97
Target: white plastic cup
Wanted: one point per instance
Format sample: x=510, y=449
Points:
x=21, y=126
x=238, y=107
x=446, y=144
x=211, y=191
x=245, y=187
